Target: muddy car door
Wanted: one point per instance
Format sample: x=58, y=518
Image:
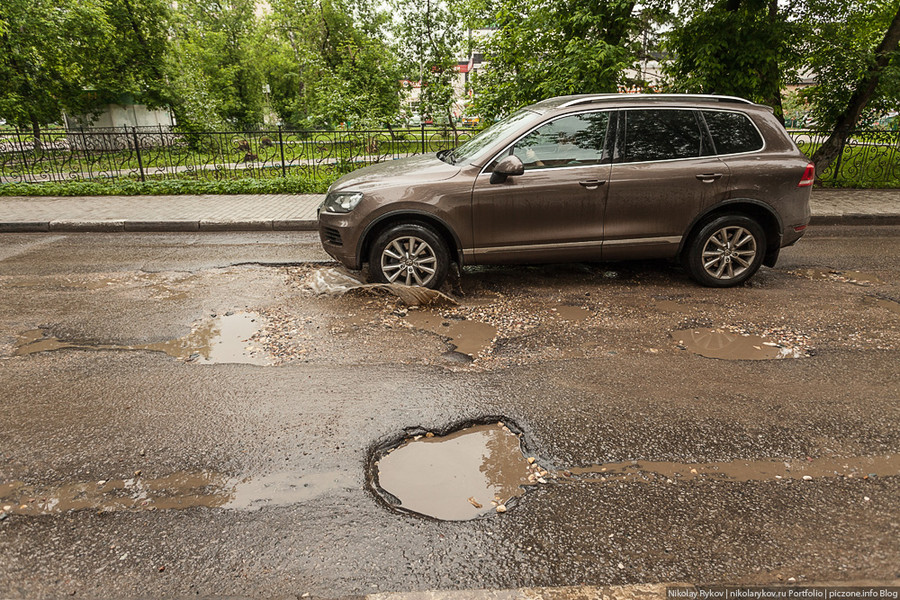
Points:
x=554, y=210
x=664, y=171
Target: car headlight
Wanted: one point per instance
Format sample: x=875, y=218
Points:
x=341, y=202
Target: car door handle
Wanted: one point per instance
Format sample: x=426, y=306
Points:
x=591, y=184
x=708, y=177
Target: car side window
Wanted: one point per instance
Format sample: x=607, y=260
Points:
x=732, y=133
x=570, y=141
x=662, y=134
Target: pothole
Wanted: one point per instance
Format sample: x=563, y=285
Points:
x=572, y=313
x=468, y=337
x=463, y=475
x=225, y=338
x=336, y=282
x=727, y=344
x=176, y=491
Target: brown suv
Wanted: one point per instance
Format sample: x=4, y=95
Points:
x=714, y=181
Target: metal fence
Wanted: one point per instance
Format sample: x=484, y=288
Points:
x=870, y=158
x=155, y=153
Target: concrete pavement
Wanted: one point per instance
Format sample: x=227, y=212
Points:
x=298, y=212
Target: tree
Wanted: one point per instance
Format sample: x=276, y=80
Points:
x=328, y=63
x=539, y=50
x=431, y=39
x=855, y=58
x=746, y=48
x=76, y=56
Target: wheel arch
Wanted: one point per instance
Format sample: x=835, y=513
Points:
x=374, y=229
x=757, y=210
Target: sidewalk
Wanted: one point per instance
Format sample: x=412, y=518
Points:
x=288, y=212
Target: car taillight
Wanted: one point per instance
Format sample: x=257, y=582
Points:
x=809, y=176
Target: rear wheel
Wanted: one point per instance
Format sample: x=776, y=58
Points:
x=726, y=252
x=409, y=254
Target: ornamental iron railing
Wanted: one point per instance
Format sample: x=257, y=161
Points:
x=147, y=153
x=869, y=158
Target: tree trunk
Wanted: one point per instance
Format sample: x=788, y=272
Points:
x=36, y=133
x=865, y=89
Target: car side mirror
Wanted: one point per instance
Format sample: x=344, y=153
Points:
x=508, y=167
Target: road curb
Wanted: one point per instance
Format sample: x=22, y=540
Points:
x=212, y=225
x=855, y=219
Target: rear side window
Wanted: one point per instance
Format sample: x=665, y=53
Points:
x=732, y=133
x=661, y=135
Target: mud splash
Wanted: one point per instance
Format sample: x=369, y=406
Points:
x=224, y=339
x=334, y=282
x=176, y=491
x=728, y=345
x=460, y=476
x=468, y=337
x=859, y=467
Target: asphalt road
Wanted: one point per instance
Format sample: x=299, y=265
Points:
x=232, y=479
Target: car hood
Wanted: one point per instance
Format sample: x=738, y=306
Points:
x=415, y=169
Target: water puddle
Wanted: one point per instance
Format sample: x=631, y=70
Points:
x=176, y=491
x=729, y=345
x=223, y=339
x=891, y=305
x=334, y=282
x=572, y=313
x=468, y=337
x=854, y=277
x=858, y=467
x=463, y=475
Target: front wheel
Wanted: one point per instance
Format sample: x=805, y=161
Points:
x=410, y=254
x=726, y=252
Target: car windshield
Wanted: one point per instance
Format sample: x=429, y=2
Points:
x=475, y=147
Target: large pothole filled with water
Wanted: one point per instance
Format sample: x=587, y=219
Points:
x=468, y=473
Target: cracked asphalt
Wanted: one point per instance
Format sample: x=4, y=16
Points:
x=608, y=385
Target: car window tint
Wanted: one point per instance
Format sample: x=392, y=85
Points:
x=661, y=135
x=732, y=132
x=567, y=142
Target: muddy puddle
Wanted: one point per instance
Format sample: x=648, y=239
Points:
x=859, y=467
x=468, y=337
x=670, y=306
x=730, y=345
x=222, y=339
x=854, y=277
x=171, y=492
x=885, y=303
x=572, y=313
x=472, y=472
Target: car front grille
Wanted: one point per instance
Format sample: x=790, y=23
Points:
x=332, y=236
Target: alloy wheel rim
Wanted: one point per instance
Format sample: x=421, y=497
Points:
x=729, y=252
x=408, y=260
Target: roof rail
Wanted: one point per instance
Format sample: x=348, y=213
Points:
x=694, y=97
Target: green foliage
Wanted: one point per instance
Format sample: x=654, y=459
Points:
x=327, y=63
x=745, y=48
x=125, y=187
x=540, y=50
x=843, y=35
x=430, y=39
x=77, y=55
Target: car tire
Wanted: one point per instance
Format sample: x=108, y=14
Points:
x=726, y=251
x=409, y=254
